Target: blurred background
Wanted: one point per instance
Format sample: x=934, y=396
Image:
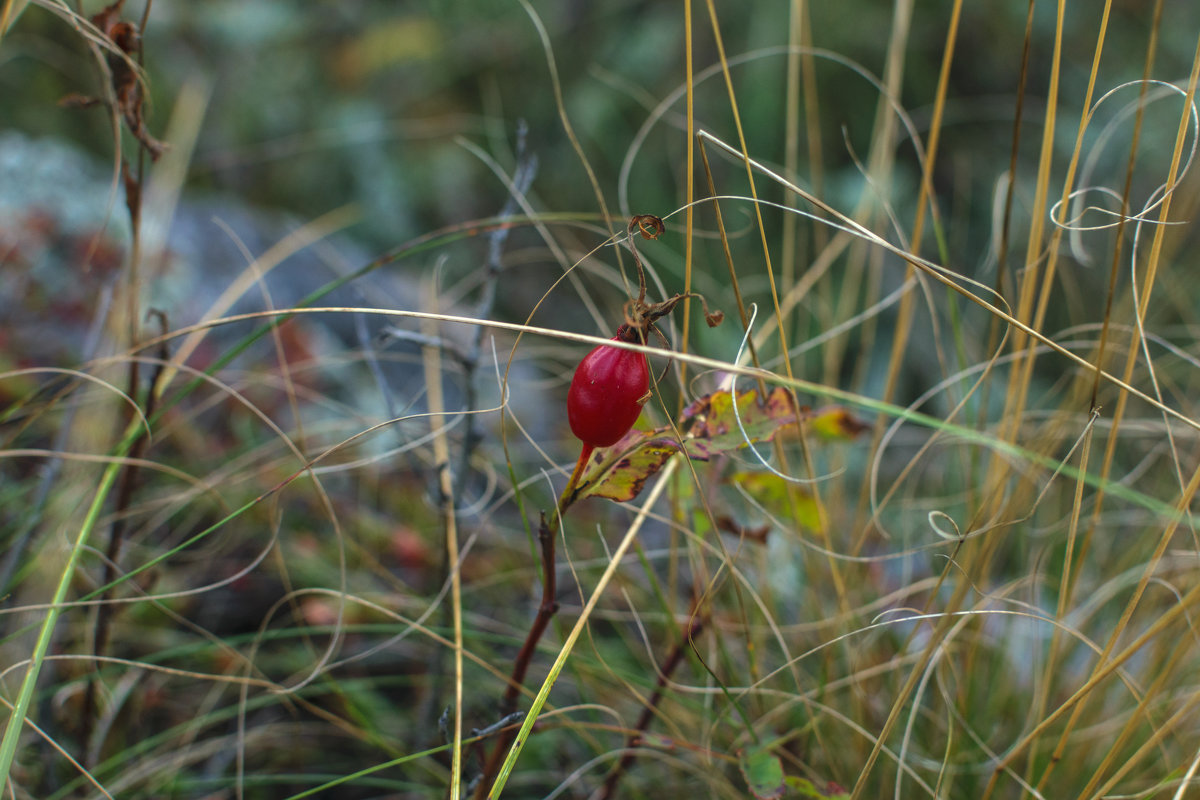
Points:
x=397, y=110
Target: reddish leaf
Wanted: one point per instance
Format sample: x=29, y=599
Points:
x=713, y=427
x=729, y=525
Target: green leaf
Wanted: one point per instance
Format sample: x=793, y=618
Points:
x=835, y=422
x=763, y=773
x=771, y=492
x=807, y=788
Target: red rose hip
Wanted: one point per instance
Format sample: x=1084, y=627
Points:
x=607, y=391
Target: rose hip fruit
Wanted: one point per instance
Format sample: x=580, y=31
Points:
x=607, y=391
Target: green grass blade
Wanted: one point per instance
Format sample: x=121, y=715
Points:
x=16, y=720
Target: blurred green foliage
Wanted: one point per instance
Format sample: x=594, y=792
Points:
x=312, y=105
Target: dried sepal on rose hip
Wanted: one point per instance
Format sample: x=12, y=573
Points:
x=611, y=384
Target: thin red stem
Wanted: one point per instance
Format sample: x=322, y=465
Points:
x=568, y=493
